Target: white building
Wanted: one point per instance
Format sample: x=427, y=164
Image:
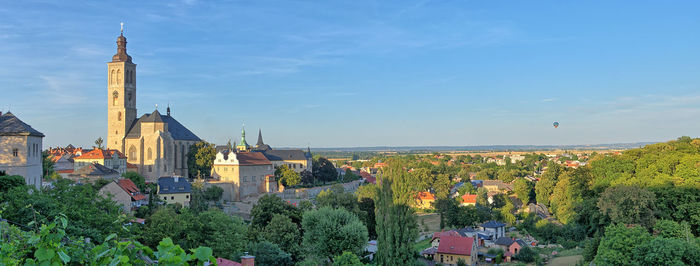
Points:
x=20, y=149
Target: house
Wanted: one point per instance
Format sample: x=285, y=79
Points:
x=297, y=160
x=497, y=229
x=243, y=174
x=468, y=200
x=20, y=149
x=369, y=178
x=497, y=185
x=92, y=172
x=510, y=246
x=113, y=159
x=453, y=248
x=246, y=260
x=174, y=190
x=424, y=200
x=125, y=193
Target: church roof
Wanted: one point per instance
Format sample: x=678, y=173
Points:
x=10, y=125
x=177, y=130
x=281, y=155
x=94, y=169
x=251, y=158
x=100, y=154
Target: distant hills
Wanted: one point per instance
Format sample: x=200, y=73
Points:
x=612, y=146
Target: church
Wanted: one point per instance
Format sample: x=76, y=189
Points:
x=156, y=143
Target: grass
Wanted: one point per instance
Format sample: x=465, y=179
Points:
x=422, y=245
x=432, y=221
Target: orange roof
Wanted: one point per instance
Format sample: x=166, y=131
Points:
x=68, y=171
x=100, y=154
x=131, y=188
x=468, y=198
x=425, y=196
x=133, y=166
x=378, y=165
x=457, y=245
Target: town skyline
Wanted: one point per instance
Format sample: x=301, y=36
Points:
x=495, y=78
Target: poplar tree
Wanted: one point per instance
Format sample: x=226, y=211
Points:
x=397, y=228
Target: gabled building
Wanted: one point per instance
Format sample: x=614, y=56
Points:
x=174, y=190
x=20, y=149
x=495, y=228
x=242, y=174
x=424, y=200
x=92, y=172
x=125, y=193
x=468, y=200
x=113, y=159
x=454, y=248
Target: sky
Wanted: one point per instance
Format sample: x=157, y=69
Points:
x=363, y=73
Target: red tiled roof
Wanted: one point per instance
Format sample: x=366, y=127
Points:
x=468, y=198
x=252, y=158
x=225, y=262
x=456, y=245
x=131, y=188
x=100, y=154
x=67, y=171
x=133, y=166
x=369, y=178
x=445, y=233
x=425, y=196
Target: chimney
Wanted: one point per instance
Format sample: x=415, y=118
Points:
x=247, y=260
x=176, y=179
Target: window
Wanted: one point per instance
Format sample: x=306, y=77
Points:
x=165, y=167
x=15, y=152
x=172, y=197
x=252, y=178
x=119, y=78
x=165, y=198
x=150, y=168
x=132, y=152
x=187, y=196
x=119, y=116
x=150, y=154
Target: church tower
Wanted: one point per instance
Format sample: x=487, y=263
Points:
x=121, y=95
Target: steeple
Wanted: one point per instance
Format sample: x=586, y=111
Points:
x=121, y=55
x=244, y=145
x=260, y=139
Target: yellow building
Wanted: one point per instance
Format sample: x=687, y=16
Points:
x=243, y=174
x=174, y=190
x=296, y=159
x=425, y=200
x=453, y=248
x=156, y=144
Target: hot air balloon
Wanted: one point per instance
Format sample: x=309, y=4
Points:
x=556, y=124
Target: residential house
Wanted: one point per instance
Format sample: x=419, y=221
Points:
x=369, y=178
x=453, y=248
x=468, y=200
x=92, y=172
x=243, y=174
x=125, y=193
x=510, y=246
x=497, y=229
x=113, y=159
x=246, y=260
x=424, y=200
x=174, y=189
x=497, y=185
x=20, y=149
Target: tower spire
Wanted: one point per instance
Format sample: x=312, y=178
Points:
x=260, y=139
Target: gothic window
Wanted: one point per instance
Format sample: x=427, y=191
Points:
x=150, y=154
x=119, y=78
x=115, y=97
x=112, y=77
x=119, y=116
x=132, y=152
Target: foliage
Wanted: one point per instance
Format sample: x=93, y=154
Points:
x=347, y=259
x=267, y=206
x=569, y=192
x=285, y=233
x=200, y=158
x=618, y=244
x=367, y=191
x=324, y=170
x=286, y=176
x=47, y=164
x=213, y=193
x=665, y=251
x=306, y=177
x=328, y=232
x=366, y=206
x=8, y=182
x=545, y=187
x=267, y=253
x=526, y=254
x=442, y=186
x=523, y=188
x=397, y=228
x=628, y=205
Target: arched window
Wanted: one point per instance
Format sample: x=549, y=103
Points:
x=132, y=152
x=149, y=154
x=112, y=77
x=115, y=98
x=175, y=156
x=119, y=76
x=119, y=116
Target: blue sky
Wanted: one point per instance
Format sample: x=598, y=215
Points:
x=363, y=73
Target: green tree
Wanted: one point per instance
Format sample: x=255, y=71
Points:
x=200, y=158
x=324, y=170
x=367, y=191
x=665, y=251
x=286, y=176
x=213, y=193
x=618, y=244
x=286, y=233
x=545, y=186
x=10, y=182
x=267, y=253
x=482, y=197
x=267, y=206
x=47, y=164
x=99, y=142
x=442, y=186
x=628, y=205
x=347, y=259
x=306, y=177
x=523, y=189
x=397, y=228
x=527, y=255
x=328, y=232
